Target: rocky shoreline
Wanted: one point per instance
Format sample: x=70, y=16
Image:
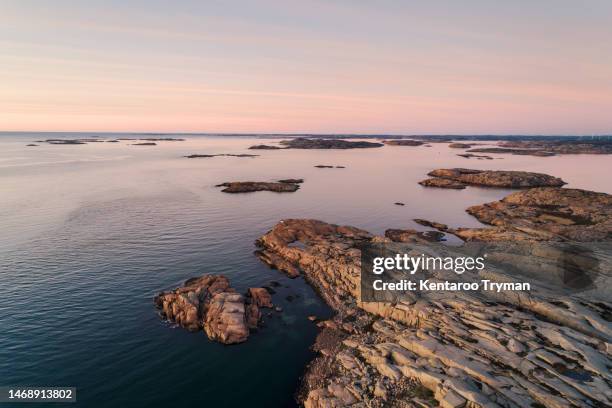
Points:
x=453, y=349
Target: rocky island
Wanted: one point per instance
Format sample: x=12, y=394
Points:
x=404, y=142
x=459, y=178
x=507, y=150
x=459, y=145
x=304, y=143
x=282, y=186
x=209, y=303
x=204, y=156
x=546, y=148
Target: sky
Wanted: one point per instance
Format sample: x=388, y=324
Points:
x=283, y=66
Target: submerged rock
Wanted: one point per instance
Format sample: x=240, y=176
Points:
x=304, y=143
x=490, y=178
x=145, y=144
x=209, y=303
x=481, y=348
x=252, y=186
x=31, y=145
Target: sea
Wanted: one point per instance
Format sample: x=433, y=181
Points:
x=89, y=234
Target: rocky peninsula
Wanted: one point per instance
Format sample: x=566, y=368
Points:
x=452, y=349
x=459, y=178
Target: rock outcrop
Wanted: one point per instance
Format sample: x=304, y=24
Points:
x=476, y=156
x=265, y=147
x=544, y=214
x=507, y=150
x=209, y=303
x=291, y=181
x=144, y=144
x=410, y=235
x=562, y=146
x=442, y=183
x=304, y=143
x=65, y=141
x=252, y=186
x=204, y=156
x=456, y=349
x=459, y=146
x=403, y=142
x=459, y=178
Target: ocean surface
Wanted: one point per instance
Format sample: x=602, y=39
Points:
x=90, y=233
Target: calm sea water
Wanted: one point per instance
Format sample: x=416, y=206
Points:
x=89, y=233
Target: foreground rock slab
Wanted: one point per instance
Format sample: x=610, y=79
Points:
x=303, y=143
x=476, y=349
x=252, y=186
x=490, y=178
x=209, y=303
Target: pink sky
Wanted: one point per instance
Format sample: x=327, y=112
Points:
x=321, y=67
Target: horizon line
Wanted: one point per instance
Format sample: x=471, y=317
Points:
x=317, y=133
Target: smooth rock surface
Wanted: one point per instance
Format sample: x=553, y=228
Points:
x=476, y=349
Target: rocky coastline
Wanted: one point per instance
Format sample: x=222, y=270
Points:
x=481, y=349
